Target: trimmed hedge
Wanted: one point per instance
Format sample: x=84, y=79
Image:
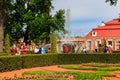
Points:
x=88, y=58
x=8, y=63
x=117, y=51
x=37, y=60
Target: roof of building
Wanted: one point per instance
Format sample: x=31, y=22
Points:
x=107, y=29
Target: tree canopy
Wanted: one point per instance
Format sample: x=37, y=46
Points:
x=112, y=2
x=32, y=19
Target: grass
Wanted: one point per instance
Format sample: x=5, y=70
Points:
x=98, y=73
x=46, y=79
x=95, y=75
x=99, y=64
x=96, y=67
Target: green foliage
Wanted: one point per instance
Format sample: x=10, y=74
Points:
x=112, y=2
x=92, y=66
x=31, y=19
x=4, y=54
x=53, y=43
x=88, y=58
x=8, y=63
x=117, y=51
x=29, y=61
x=7, y=44
x=76, y=75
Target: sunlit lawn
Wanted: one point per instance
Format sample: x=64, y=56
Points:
x=93, y=66
x=99, y=70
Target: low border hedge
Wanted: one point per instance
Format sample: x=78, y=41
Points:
x=8, y=63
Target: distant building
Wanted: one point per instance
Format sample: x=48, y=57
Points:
x=71, y=42
x=108, y=32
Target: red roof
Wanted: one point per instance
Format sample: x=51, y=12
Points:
x=114, y=22
x=111, y=28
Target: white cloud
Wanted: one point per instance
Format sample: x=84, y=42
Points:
x=88, y=10
x=82, y=8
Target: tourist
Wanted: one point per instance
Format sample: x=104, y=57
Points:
x=110, y=50
x=96, y=50
x=13, y=50
x=65, y=48
x=24, y=49
x=18, y=50
x=85, y=50
x=36, y=50
x=42, y=49
x=104, y=49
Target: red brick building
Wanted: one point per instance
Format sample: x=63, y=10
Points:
x=108, y=31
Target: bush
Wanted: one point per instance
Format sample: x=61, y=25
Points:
x=9, y=63
x=53, y=43
x=7, y=44
x=117, y=51
x=88, y=58
x=38, y=60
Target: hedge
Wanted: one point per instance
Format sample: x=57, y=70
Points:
x=37, y=60
x=88, y=58
x=8, y=63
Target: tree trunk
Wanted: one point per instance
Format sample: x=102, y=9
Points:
x=1, y=25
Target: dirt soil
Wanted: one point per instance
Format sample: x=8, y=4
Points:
x=51, y=68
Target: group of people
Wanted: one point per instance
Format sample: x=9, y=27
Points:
x=21, y=48
x=104, y=49
x=108, y=49
x=42, y=49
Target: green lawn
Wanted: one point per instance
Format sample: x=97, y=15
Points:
x=93, y=66
x=97, y=75
x=98, y=72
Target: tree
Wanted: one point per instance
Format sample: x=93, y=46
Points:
x=112, y=2
x=31, y=19
x=1, y=24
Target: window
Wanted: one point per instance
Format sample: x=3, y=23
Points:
x=89, y=44
x=94, y=33
x=110, y=43
x=118, y=42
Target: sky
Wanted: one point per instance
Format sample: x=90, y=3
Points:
x=86, y=14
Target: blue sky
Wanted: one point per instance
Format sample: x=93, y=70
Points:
x=87, y=14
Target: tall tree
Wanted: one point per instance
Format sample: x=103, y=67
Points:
x=1, y=24
x=31, y=19
x=112, y=2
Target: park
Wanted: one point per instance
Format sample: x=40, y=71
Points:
x=37, y=45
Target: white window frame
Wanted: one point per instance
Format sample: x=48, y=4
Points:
x=94, y=33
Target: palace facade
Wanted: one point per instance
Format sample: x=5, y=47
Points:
x=108, y=32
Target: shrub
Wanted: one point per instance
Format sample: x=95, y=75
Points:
x=53, y=43
x=7, y=44
x=9, y=63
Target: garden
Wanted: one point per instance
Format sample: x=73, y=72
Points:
x=85, y=66
x=99, y=71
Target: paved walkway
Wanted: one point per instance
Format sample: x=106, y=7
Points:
x=51, y=68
